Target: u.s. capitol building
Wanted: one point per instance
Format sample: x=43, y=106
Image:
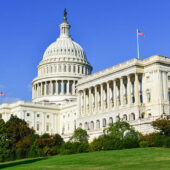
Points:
x=65, y=95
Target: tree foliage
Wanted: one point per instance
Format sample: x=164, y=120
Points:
x=162, y=125
x=80, y=135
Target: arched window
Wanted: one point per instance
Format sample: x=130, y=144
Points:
x=80, y=125
x=149, y=115
x=110, y=120
x=104, y=122
x=143, y=115
x=98, y=124
x=132, y=116
x=91, y=125
x=117, y=118
x=86, y=126
x=124, y=117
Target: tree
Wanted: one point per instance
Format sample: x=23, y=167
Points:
x=163, y=125
x=80, y=135
x=5, y=151
x=120, y=130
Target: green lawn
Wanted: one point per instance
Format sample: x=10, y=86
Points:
x=129, y=159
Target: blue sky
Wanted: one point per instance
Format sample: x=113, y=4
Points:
x=106, y=29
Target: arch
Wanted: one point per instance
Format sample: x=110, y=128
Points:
x=97, y=124
x=104, y=122
x=124, y=117
x=110, y=120
x=132, y=116
x=149, y=115
x=91, y=125
x=143, y=115
x=117, y=118
x=86, y=126
x=80, y=125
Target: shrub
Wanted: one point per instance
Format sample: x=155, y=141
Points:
x=143, y=144
x=150, y=138
x=130, y=142
x=97, y=144
x=167, y=142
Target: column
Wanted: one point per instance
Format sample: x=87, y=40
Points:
x=95, y=99
x=45, y=89
x=108, y=96
x=68, y=87
x=90, y=101
x=84, y=94
x=79, y=103
x=136, y=89
x=129, y=89
x=165, y=87
x=115, y=95
x=37, y=89
x=121, y=91
x=101, y=93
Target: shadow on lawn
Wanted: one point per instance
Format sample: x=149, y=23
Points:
x=11, y=164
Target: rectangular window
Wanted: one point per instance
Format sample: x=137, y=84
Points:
x=65, y=87
x=38, y=127
x=59, y=87
x=47, y=128
x=70, y=88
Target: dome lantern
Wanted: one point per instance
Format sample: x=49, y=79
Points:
x=64, y=27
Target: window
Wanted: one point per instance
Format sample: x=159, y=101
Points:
x=28, y=114
x=48, y=116
x=91, y=125
x=74, y=68
x=78, y=69
x=148, y=97
x=104, y=122
x=97, y=124
x=65, y=87
x=38, y=115
x=59, y=87
x=70, y=87
x=38, y=127
x=47, y=127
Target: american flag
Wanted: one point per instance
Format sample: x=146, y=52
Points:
x=2, y=94
x=140, y=33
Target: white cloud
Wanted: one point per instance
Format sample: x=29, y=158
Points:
x=8, y=99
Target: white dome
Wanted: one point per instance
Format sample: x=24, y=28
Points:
x=64, y=63
x=62, y=47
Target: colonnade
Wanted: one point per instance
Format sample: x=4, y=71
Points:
x=109, y=95
x=54, y=87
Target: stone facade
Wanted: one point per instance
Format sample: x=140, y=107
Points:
x=65, y=95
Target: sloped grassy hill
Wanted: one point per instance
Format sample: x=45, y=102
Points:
x=129, y=159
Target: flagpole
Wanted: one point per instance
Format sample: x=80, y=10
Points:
x=137, y=44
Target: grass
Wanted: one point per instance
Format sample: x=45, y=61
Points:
x=129, y=159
